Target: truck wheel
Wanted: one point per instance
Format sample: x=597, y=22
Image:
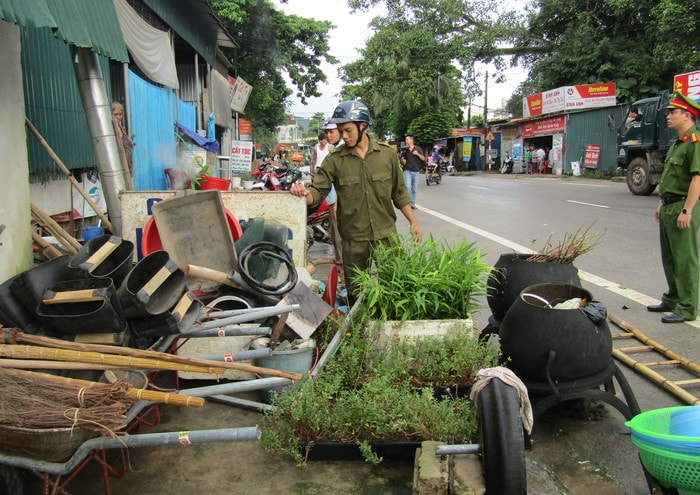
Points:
x=502, y=440
x=638, y=178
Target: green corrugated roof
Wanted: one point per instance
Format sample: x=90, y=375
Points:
x=91, y=24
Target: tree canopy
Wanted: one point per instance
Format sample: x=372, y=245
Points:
x=272, y=44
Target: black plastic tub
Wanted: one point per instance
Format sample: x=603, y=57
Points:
x=115, y=265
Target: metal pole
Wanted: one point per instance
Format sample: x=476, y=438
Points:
x=469, y=448
x=98, y=113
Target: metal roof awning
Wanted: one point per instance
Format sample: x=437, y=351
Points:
x=83, y=24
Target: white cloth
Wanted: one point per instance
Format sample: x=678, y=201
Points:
x=150, y=47
x=485, y=375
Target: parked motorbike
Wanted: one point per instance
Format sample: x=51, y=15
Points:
x=507, y=166
x=432, y=174
x=293, y=175
x=270, y=177
x=318, y=224
x=446, y=166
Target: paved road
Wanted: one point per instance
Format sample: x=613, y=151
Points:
x=518, y=213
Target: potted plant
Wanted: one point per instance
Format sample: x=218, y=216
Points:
x=370, y=398
x=553, y=263
x=421, y=288
x=247, y=180
x=380, y=387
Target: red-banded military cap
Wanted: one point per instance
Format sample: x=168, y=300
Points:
x=679, y=100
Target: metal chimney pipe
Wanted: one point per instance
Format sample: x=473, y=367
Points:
x=98, y=113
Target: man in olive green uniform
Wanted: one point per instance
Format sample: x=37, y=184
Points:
x=678, y=219
x=369, y=182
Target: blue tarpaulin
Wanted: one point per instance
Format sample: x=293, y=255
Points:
x=205, y=143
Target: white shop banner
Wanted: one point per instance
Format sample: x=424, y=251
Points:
x=241, y=156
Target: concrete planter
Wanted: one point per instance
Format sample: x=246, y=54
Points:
x=400, y=330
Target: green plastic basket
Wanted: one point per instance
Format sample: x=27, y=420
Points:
x=671, y=469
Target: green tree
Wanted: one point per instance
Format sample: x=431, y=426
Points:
x=316, y=124
x=272, y=44
x=639, y=44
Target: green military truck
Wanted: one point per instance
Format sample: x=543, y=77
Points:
x=642, y=144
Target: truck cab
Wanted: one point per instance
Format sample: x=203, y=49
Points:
x=643, y=143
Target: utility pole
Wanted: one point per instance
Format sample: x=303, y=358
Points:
x=486, y=120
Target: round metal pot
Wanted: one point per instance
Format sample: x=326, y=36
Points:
x=512, y=273
x=543, y=343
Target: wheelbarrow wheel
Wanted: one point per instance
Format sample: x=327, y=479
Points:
x=502, y=440
x=10, y=481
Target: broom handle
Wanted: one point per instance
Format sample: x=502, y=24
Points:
x=105, y=221
x=35, y=352
x=134, y=393
x=17, y=336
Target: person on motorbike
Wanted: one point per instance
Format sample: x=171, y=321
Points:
x=369, y=182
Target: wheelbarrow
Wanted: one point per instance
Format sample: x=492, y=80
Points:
x=52, y=471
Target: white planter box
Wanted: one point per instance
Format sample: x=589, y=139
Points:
x=398, y=330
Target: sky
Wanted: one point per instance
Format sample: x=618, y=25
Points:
x=350, y=35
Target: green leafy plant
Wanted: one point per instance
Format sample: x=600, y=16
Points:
x=367, y=394
x=197, y=179
x=248, y=177
x=423, y=281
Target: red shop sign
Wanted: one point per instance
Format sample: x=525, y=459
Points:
x=544, y=127
x=590, y=159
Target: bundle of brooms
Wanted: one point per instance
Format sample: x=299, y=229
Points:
x=29, y=401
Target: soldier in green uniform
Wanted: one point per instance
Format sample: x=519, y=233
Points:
x=677, y=214
x=368, y=179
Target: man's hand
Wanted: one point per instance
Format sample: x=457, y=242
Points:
x=301, y=191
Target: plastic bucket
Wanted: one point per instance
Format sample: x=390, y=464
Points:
x=92, y=232
x=294, y=360
x=685, y=422
x=209, y=183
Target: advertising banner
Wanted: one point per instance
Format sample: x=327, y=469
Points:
x=590, y=159
x=240, y=92
x=467, y=149
x=544, y=127
x=688, y=84
x=532, y=105
x=245, y=129
x=241, y=156
x=590, y=96
x=577, y=97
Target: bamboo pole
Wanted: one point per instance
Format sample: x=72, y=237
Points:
x=662, y=349
x=55, y=365
x=122, y=156
x=52, y=226
x=36, y=352
x=655, y=377
x=14, y=335
x=134, y=393
x=105, y=221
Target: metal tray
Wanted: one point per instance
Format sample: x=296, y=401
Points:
x=194, y=230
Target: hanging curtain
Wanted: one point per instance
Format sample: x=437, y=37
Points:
x=149, y=47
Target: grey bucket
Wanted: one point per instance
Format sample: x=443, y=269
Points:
x=294, y=360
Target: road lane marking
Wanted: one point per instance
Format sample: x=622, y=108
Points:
x=586, y=204
x=478, y=187
x=608, y=285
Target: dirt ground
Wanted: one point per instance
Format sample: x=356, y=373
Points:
x=574, y=448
